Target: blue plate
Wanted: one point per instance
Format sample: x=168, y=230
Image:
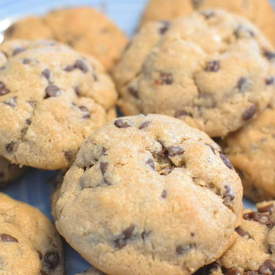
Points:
x=34, y=187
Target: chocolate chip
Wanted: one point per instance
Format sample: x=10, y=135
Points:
x=228, y=195
x=165, y=27
x=181, y=250
x=46, y=73
x=17, y=51
x=69, y=68
x=242, y=232
x=51, y=260
x=26, y=61
x=103, y=167
x=266, y=208
x=164, y=194
x=165, y=79
x=12, y=102
x=52, y=91
x=28, y=121
x=174, y=151
x=233, y=271
x=263, y=218
x=213, y=66
x=85, y=111
x=243, y=31
x=250, y=112
x=8, y=238
x=10, y=147
x=144, y=125
x=270, y=81
x=119, y=123
x=77, y=91
x=226, y=161
x=270, y=55
x=145, y=234
x=244, y=84
x=3, y=89
x=151, y=163
x=79, y=64
x=122, y=239
x=69, y=155
x=208, y=270
x=32, y=103
x=268, y=267
x=133, y=91
x=182, y=113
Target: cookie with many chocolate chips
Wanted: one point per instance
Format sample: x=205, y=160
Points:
x=91, y=32
x=149, y=195
x=51, y=99
x=9, y=172
x=29, y=243
x=258, y=11
x=252, y=151
x=254, y=250
x=211, y=69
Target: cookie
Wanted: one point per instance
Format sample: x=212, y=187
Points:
x=29, y=243
x=260, y=12
x=252, y=150
x=210, y=69
x=92, y=271
x=9, y=172
x=135, y=186
x=51, y=99
x=91, y=32
x=254, y=249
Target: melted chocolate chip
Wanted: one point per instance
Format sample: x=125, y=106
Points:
x=7, y=238
x=250, y=112
x=164, y=194
x=46, y=73
x=3, y=89
x=243, y=84
x=17, y=51
x=270, y=55
x=144, y=125
x=52, y=91
x=103, y=167
x=165, y=79
x=12, y=102
x=122, y=239
x=181, y=250
x=133, y=91
x=119, y=123
x=69, y=155
x=85, y=111
x=226, y=161
x=10, y=147
x=263, y=218
x=174, y=151
x=51, y=260
x=270, y=81
x=213, y=66
x=242, y=232
x=165, y=27
x=151, y=163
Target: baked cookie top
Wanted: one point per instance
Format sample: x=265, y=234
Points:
x=260, y=12
x=29, y=243
x=51, y=99
x=212, y=69
x=91, y=32
x=136, y=185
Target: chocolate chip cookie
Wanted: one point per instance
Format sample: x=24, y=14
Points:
x=258, y=11
x=212, y=69
x=9, y=171
x=29, y=243
x=149, y=195
x=51, y=99
x=91, y=32
x=252, y=151
x=254, y=250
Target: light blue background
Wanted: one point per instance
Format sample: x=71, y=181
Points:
x=34, y=188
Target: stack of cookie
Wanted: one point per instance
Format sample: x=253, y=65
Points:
x=149, y=193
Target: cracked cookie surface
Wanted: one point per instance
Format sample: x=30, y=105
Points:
x=252, y=151
x=214, y=70
x=29, y=243
x=254, y=250
x=51, y=99
x=91, y=32
x=260, y=12
x=133, y=190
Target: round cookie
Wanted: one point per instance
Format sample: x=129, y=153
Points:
x=134, y=188
x=29, y=243
x=252, y=151
x=211, y=69
x=254, y=249
x=91, y=32
x=260, y=12
x=51, y=99
x=9, y=171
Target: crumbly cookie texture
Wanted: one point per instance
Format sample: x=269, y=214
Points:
x=136, y=185
x=91, y=32
x=212, y=69
x=29, y=243
x=252, y=151
x=51, y=99
x=260, y=12
x=9, y=171
x=254, y=250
